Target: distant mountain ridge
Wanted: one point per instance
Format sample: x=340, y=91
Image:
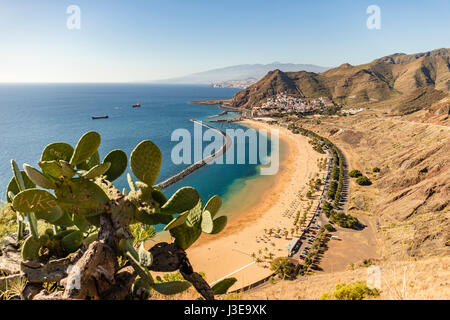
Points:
x=397, y=74
x=240, y=72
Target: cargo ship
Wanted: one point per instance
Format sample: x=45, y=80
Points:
x=137, y=105
x=99, y=117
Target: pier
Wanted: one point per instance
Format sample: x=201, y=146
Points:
x=201, y=163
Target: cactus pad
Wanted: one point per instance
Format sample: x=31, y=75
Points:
x=214, y=205
x=14, y=189
x=30, y=249
x=195, y=214
x=141, y=271
x=185, y=235
x=219, y=224
x=171, y=287
x=81, y=196
x=183, y=200
x=152, y=219
x=223, y=286
x=207, y=223
x=38, y=178
x=145, y=257
x=178, y=221
x=67, y=169
x=51, y=168
x=39, y=201
x=145, y=162
x=72, y=241
x=158, y=196
x=119, y=162
x=86, y=147
x=57, y=151
x=97, y=170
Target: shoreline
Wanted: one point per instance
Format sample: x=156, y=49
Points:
x=182, y=174
x=276, y=201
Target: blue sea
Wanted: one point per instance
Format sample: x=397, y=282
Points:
x=34, y=115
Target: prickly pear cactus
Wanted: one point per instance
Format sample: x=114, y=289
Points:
x=85, y=215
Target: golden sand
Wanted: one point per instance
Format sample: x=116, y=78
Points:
x=275, y=201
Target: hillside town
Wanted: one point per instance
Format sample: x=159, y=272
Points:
x=283, y=102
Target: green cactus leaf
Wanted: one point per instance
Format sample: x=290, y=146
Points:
x=14, y=189
x=97, y=171
x=39, y=201
x=145, y=162
x=86, y=147
x=119, y=162
x=32, y=223
x=183, y=200
x=185, y=235
x=44, y=239
x=131, y=182
x=158, y=196
x=171, y=287
x=214, y=205
x=67, y=169
x=91, y=238
x=145, y=257
x=65, y=221
x=30, y=249
x=81, y=196
x=141, y=271
x=207, y=223
x=51, y=168
x=223, y=286
x=17, y=174
x=49, y=232
x=52, y=215
x=219, y=224
x=88, y=164
x=94, y=160
x=81, y=223
x=62, y=234
x=94, y=220
x=73, y=241
x=152, y=219
x=57, y=151
x=195, y=214
x=178, y=221
x=38, y=178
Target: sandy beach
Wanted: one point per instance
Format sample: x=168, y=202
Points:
x=243, y=250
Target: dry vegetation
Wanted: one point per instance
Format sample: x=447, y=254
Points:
x=421, y=279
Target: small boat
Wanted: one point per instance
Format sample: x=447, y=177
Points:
x=137, y=105
x=99, y=117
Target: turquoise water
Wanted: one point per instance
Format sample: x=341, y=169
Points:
x=34, y=115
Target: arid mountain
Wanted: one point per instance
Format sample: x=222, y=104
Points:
x=240, y=72
x=381, y=79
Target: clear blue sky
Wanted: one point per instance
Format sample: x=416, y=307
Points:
x=137, y=40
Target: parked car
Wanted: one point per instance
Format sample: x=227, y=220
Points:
x=302, y=258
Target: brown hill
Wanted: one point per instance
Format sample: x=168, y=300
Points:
x=376, y=81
